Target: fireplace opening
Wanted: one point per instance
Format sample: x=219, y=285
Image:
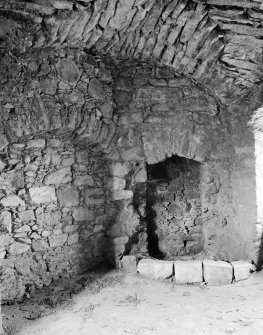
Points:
x=173, y=208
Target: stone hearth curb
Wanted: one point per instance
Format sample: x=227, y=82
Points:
x=190, y=272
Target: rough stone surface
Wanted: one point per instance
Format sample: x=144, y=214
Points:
x=217, y=272
x=155, y=269
x=188, y=272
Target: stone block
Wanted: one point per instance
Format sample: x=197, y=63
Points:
x=141, y=176
x=68, y=197
x=42, y=194
x=69, y=72
x=82, y=214
x=120, y=169
x=134, y=154
x=129, y=264
x=39, y=245
x=121, y=195
x=5, y=240
x=12, y=201
x=188, y=272
x=49, y=220
x=18, y=248
x=114, y=231
x=73, y=238
x=26, y=216
x=107, y=110
x=3, y=142
x=2, y=165
x=5, y=221
x=23, y=229
x=156, y=269
x=242, y=269
x=94, y=196
x=83, y=180
x=217, y=272
x=57, y=241
x=117, y=184
x=83, y=156
x=120, y=240
x=36, y=144
x=61, y=176
x=96, y=89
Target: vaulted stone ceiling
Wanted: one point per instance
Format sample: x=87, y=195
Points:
x=217, y=42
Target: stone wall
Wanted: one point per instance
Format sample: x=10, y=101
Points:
x=53, y=213
x=112, y=118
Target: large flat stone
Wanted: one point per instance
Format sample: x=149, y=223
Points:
x=188, y=272
x=217, y=272
x=242, y=269
x=156, y=269
x=42, y=194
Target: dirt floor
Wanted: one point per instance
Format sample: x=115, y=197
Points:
x=108, y=302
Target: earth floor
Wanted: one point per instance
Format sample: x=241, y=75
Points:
x=109, y=302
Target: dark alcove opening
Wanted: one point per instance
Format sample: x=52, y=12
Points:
x=173, y=208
